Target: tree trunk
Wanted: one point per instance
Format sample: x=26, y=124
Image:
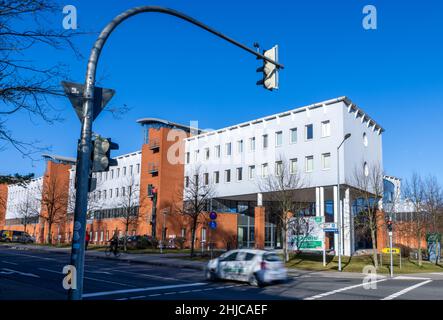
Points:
x=125, y=240
x=49, y=233
x=420, y=263
x=193, y=237
x=374, y=247
x=285, y=244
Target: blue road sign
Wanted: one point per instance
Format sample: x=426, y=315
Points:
x=212, y=224
x=213, y=215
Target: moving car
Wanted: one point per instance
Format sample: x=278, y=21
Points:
x=258, y=267
x=16, y=236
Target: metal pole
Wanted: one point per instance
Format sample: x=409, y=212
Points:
x=392, y=258
x=338, y=208
x=83, y=170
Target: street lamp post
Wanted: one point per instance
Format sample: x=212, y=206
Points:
x=339, y=222
x=87, y=114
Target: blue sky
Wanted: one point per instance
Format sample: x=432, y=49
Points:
x=163, y=67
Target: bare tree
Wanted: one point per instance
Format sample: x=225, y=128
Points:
x=129, y=204
x=25, y=86
x=283, y=189
x=28, y=210
x=433, y=205
x=195, y=199
x=368, y=181
x=54, y=201
x=414, y=192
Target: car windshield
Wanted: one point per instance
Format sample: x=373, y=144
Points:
x=272, y=258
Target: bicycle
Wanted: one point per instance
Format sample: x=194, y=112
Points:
x=112, y=249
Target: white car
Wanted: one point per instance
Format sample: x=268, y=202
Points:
x=258, y=267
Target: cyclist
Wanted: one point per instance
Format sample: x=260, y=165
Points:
x=114, y=243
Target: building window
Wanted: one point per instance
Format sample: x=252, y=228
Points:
x=309, y=163
x=252, y=144
x=186, y=181
x=265, y=141
x=116, y=192
x=240, y=146
x=278, y=168
x=118, y=172
x=99, y=195
x=206, y=178
x=293, y=166
x=326, y=161
x=188, y=157
x=309, y=132
x=112, y=174
x=138, y=168
x=216, y=176
x=326, y=128
x=228, y=150
x=123, y=191
x=196, y=156
x=207, y=153
x=217, y=151
x=104, y=194
x=124, y=171
x=228, y=175
x=278, y=138
x=365, y=139
x=131, y=167
x=251, y=172
x=110, y=193
x=366, y=169
x=264, y=169
x=293, y=137
x=239, y=174
x=196, y=179
x=183, y=233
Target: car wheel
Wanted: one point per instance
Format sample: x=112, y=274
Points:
x=255, y=281
x=210, y=275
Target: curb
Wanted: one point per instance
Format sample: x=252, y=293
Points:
x=154, y=263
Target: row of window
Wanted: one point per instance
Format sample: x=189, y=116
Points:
x=117, y=192
x=309, y=135
x=115, y=173
x=293, y=167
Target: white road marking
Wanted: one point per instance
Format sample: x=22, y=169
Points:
x=406, y=290
x=150, y=275
x=8, y=262
x=138, y=297
x=107, y=293
x=31, y=256
x=325, y=294
x=49, y=270
x=410, y=278
x=101, y=272
x=10, y=271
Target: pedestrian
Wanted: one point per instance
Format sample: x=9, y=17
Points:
x=87, y=240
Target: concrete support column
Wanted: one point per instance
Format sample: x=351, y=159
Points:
x=259, y=227
x=336, y=208
x=317, y=202
x=322, y=202
x=348, y=225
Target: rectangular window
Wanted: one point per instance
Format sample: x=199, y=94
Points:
x=240, y=146
x=112, y=174
x=196, y=156
x=186, y=182
x=309, y=132
x=183, y=233
x=118, y=172
x=293, y=166
x=239, y=174
x=116, y=192
x=278, y=138
x=207, y=153
x=138, y=167
x=216, y=177
x=326, y=128
x=123, y=191
x=131, y=167
x=104, y=194
x=217, y=151
x=188, y=157
x=326, y=161
x=228, y=150
x=228, y=175
x=265, y=141
x=309, y=163
x=278, y=168
x=294, y=135
x=252, y=144
x=110, y=193
x=124, y=171
x=264, y=169
x=251, y=172
x=206, y=178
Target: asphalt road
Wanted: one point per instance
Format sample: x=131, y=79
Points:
x=28, y=274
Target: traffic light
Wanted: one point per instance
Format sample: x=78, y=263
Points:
x=389, y=225
x=101, y=155
x=269, y=70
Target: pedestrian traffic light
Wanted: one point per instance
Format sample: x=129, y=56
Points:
x=269, y=70
x=389, y=225
x=101, y=155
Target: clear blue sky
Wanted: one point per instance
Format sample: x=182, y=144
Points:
x=163, y=67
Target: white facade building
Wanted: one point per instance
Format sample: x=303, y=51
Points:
x=305, y=139
x=21, y=197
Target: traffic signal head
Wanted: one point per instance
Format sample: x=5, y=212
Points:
x=389, y=225
x=101, y=154
x=269, y=70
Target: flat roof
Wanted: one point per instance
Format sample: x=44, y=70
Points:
x=344, y=99
x=167, y=123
